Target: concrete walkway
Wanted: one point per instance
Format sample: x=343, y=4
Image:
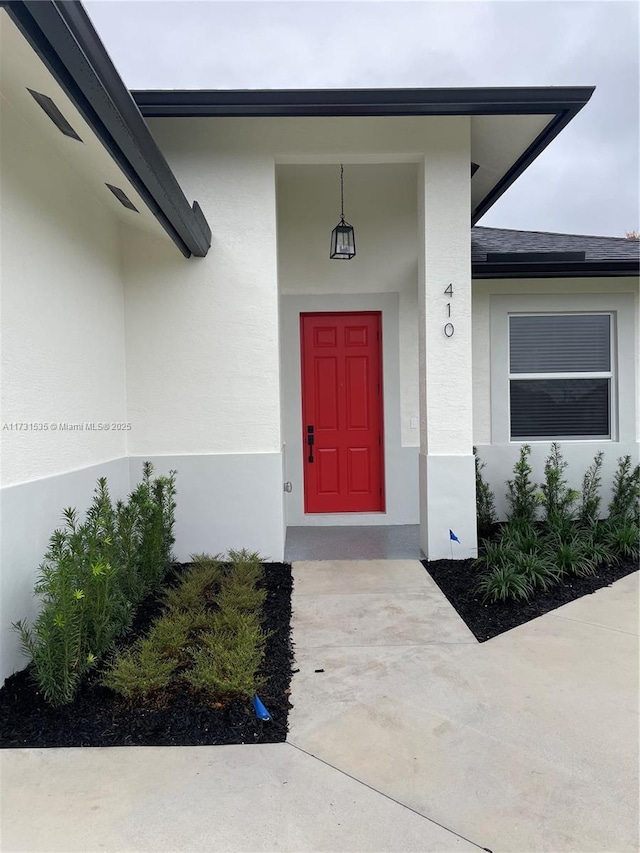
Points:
x=528, y=742
x=414, y=738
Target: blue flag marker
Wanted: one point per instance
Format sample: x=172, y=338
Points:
x=261, y=711
x=453, y=537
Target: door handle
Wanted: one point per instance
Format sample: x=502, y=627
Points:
x=310, y=442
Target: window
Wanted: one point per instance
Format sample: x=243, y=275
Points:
x=560, y=376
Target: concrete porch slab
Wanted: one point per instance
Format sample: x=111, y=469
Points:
x=380, y=541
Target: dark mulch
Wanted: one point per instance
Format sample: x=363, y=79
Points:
x=99, y=717
x=457, y=580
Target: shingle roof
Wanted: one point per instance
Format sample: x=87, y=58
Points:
x=485, y=240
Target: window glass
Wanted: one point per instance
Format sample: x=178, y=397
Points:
x=576, y=404
x=560, y=343
x=560, y=408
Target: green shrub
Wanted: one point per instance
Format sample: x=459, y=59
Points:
x=241, y=598
x=622, y=537
x=245, y=566
x=170, y=633
x=503, y=582
x=557, y=498
x=209, y=635
x=522, y=537
x=625, y=502
x=522, y=493
x=599, y=546
x=528, y=556
x=485, y=502
x=191, y=594
x=91, y=580
x=140, y=671
x=571, y=555
x=495, y=554
x=537, y=568
x=228, y=657
x=154, y=506
x=589, y=511
x=83, y=607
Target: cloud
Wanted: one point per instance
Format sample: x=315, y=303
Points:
x=587, y=180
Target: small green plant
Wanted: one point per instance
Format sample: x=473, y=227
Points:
x=571, y=556
x=522, y=492
x=242, y=598
x=485, y=501
x=504, y=582
x=209, y=635
x=191, y=594
x=622, y=537
x=140, y=671
x=91, y=580
x=537, y=568
x=589, y=511
x=522, y=537
x=557, y=498
x=494, y=554
x=170, y=633
x=229, y=655
x=154, y=505
x=600, y=548
x=625, y=502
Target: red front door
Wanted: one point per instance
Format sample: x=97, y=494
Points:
x=342, y=412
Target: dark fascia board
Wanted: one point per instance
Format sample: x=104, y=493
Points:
x=62, y=35
x=533, y=257
x=557, y=269
x=360, y=102
x=560, y=101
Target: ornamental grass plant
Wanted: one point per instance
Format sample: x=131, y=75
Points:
x=554, y=532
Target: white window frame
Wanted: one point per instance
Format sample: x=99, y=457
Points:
x=569, y=374
x=621, y=307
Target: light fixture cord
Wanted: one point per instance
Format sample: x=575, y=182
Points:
x=341, y=191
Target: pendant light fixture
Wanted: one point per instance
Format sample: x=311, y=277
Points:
x=343, y=241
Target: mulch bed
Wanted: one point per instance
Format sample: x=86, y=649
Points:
x=99, y=717
x=457, y=580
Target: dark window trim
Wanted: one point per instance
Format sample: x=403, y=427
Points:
x=62, y=35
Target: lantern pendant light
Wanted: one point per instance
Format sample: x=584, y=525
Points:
x=343, y=241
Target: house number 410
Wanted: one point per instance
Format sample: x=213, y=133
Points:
x=448, y=328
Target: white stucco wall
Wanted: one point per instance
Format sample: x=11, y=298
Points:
x=223, y=308
x=62, y=359
x=492, y=300
x=446, y=477
x=203, y=348
x=62, y=312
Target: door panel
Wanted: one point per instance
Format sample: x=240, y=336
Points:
x=342, y=412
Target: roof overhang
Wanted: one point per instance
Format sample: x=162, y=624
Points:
x=62, y=36
x=510, y=127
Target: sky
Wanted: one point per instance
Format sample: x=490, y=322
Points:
x=586, y=181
